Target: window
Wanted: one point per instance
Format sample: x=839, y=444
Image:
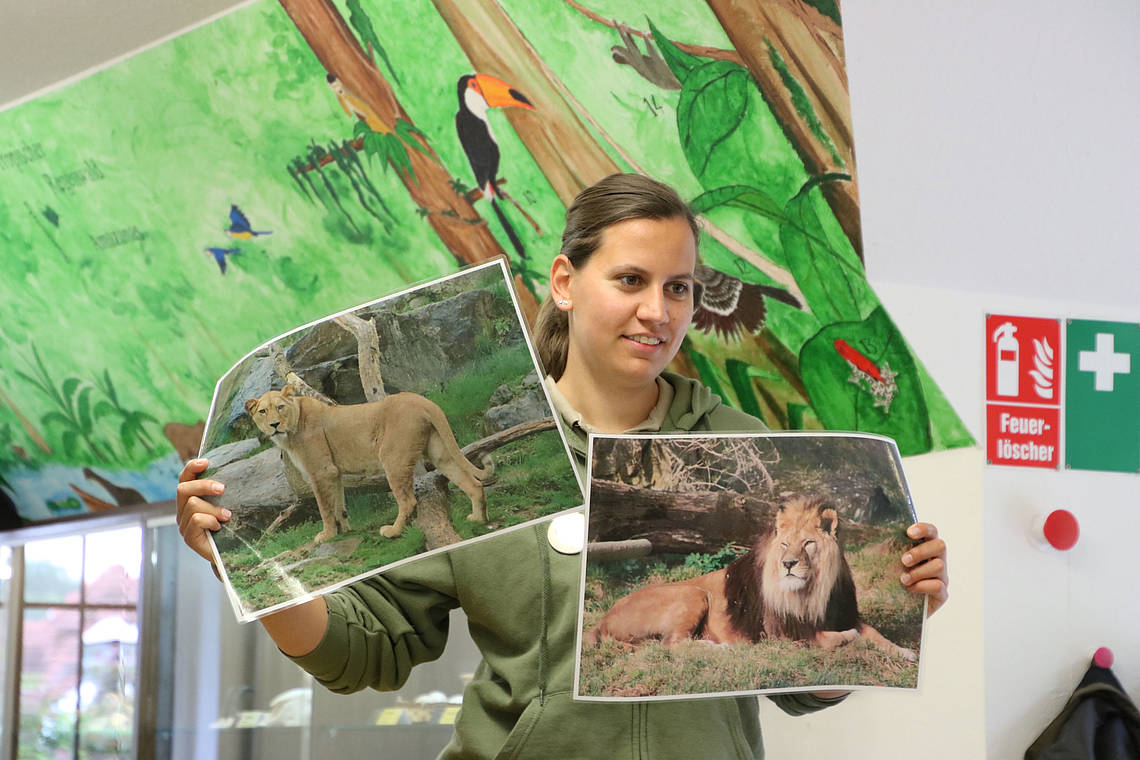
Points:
x=79, y=646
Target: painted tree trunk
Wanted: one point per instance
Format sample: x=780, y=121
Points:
x=557, y=139
x=29, y=428
x=811, y=46
x=450, y=215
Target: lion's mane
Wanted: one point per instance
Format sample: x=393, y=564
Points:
x=761, y=602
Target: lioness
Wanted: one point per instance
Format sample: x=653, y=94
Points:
x=388, y=436
x=795, y=583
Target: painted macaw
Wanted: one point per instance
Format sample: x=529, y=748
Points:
x=240, y=229
x=220, y=254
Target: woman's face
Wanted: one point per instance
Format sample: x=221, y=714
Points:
x=631, y=302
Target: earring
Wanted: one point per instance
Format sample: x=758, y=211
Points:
x=563, y=303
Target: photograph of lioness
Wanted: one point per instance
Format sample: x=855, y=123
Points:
x=405, y=426
x=798, y=601
x=388, y=437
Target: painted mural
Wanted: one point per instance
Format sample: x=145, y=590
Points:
x=293, y=158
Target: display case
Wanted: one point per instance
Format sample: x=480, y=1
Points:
x=224, y=690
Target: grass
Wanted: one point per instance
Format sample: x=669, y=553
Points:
x=534, y=465
x=651, y=669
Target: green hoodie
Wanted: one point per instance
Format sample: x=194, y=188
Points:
x=521, y=601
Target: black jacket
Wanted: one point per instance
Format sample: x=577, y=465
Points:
x=1099, y=722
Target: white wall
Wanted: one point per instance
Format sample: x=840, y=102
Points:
x=996, y=162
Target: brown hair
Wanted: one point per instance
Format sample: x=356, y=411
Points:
x=616, y=198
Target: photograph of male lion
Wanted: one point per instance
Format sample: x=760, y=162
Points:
x=407, y=425
x=730, y=564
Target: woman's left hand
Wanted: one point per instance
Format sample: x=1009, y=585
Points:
x=925, y=565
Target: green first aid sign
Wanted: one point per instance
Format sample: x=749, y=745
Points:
x=1102, y=396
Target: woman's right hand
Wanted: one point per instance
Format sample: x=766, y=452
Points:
x=196, y=516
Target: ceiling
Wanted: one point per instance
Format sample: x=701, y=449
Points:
x=46, y=42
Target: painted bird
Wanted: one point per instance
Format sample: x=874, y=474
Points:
x=239, y=228
x=725, y=305
x=477, y=94
x=353, y=105
x=220, y=254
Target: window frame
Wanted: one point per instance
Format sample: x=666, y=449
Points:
x=147, y=518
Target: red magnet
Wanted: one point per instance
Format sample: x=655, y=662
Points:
x=1103, y=657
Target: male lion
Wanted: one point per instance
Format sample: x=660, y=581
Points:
x=388, y=436
x=795, y=583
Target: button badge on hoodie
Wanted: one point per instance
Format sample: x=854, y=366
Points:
x=567, y=533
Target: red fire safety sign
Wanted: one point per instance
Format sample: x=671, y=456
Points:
x=1023, y=391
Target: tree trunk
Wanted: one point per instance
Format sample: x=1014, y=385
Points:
x=452, y=217
x=558, y=141
x=812, y=47
x=675, y=522
x=367, y=353
x=29, y=428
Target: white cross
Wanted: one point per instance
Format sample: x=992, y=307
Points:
x=1104, y=362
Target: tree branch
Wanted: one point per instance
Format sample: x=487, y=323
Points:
x=702, y=50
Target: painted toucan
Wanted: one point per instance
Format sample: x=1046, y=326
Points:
x=477, y=93
x=726, y=305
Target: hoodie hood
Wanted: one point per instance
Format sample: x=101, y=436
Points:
x=692, y=405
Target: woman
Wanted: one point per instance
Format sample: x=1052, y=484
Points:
x=620, y=303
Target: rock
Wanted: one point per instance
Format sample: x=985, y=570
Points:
x=502, y=395
x=422, y=348
x=529, y=406
x=257, y=481
x=322, y=343
x=231, y=452
x=341, y=548
x=236, y=420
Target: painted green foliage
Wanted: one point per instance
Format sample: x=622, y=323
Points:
x=729, y=151
x=112, y=189
x=846, y=398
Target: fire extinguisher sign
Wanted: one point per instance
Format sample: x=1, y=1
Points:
x=1023, y=391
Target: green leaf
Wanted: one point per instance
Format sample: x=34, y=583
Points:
x=741, y=379
x=678, y=61
x=833, y=284
x=829, y=8
x=104, y=408
x=374, y=145
x=738, y=196
x=127, y=433
x=110, y=387
x=70, y=385
x=143, y=417
x=363, y=26
x=85, y=419
x=709, y=375
x=796, y=415
x=712, y=106
x=71, y=443
x=361, y=128
x=34, y=381
x=398, y=155
x=50, y=417
x=846, y=400
x=802, y=103
x=407, y=132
